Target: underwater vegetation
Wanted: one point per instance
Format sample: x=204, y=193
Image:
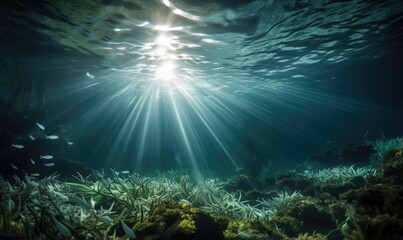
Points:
x=344, y=202
x=339, y=174
x=204, y=88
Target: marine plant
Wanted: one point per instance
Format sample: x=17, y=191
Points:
x=382, y=147
x=113, y=204
x=282, y=201
x=339, y=174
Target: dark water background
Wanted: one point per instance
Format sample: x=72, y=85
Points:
x=280, y=81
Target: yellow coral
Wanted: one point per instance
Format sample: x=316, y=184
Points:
x=187, y=226
x=184, y=205
x=306, y=236
x=232, y=230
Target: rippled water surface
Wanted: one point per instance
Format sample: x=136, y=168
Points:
x=149, y=84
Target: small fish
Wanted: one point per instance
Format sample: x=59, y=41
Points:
x=52, y=137
x=49, y=164
x=105, y=219
x=32, y=161
x=70, y=143
x=19, y=146
x=90, y=75
x=208, y=209
x=125, y=172
x=79, y=201
x=47, y=157
x=127, y=230
x=35, y=174
x=61, y=228
x=31, y=137
x=13, y=166
x=185, y=201
x=40, y=126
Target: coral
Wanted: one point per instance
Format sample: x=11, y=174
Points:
x=239, y=182
x=383, y=226
x=282, y=201
x=392, y=169
x=378, y=208
x=305, y=215
x=288, y=224
x=306, y=236
x=293, y=182
x=154, y=207
x=251, y=230
x=175, y=206
x=176, y=221
x=383, y=147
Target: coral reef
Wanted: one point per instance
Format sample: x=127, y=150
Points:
x=378, y=210
x=344, y=202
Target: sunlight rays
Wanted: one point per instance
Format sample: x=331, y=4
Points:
x=175, y=90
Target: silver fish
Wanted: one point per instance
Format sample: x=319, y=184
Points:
x=32, y=161
x=105, y=219
x=127, y=230
x=31, y=137
x=208, y=209
x=19, y=146
x=52, y=137
x=70, y=143
x=79, y=201
x=125, y=172
x=40, y=126
x=35, y=174
x=13, y=166
x=90, y=75
x=47, y=157
x=185, y=201
x=49, y=164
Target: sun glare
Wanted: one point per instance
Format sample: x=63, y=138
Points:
x=166, y=71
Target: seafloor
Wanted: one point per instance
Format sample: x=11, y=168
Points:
x=337, y=202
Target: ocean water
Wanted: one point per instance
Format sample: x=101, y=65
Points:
x=275, y=100
x=136, y=85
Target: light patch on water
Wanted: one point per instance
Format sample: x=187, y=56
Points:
x=208, y=40
x=335, y=58
x=357, y=42
x=356, y=36
x=195, y=63
x=329, y=44
x=308, y=59
x=298, y=76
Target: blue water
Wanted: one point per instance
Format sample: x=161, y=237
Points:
x=208, y=86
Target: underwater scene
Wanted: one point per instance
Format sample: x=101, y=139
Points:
x=201, y=120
